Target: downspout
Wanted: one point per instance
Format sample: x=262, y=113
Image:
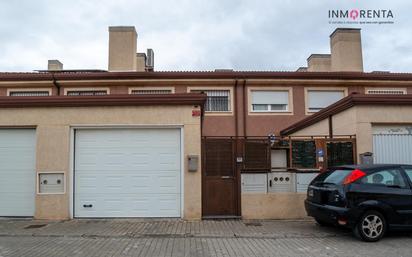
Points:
x=244, y=107
x=236, y=109
x=56, y=84
x=330, y=126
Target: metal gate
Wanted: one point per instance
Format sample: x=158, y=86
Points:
x=392, y=148
x=223, y=159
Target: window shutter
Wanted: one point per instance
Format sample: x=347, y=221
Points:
x=322, y=99
x=257, y=156
x=29, y=93
x=150, y=92
x=87, y=93
x=270, y=97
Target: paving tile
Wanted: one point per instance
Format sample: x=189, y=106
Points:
x=171, y=237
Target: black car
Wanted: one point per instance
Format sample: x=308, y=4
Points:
x=369, y=199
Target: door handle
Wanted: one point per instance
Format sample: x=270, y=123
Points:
x=225, y=177
x=87, y=205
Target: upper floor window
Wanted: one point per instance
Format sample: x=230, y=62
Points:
x=319, y=99
x=217, y=100
x=86, y=92
x=270, y=101
x=29, y=93
x=150, y=91
x=386, y=91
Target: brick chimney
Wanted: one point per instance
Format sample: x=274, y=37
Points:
x=122, y=48
x=346, y=50
x=319, y=62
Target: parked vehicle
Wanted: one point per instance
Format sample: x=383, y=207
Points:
x=369, y=199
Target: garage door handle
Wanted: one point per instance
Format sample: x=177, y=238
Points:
x=87, y=205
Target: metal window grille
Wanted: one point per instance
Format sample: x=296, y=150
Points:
x=151, y=92
x=217, y=100
x=29, y=93
x=386, y=92
x=87, y=93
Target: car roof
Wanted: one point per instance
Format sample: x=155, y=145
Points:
x=370, y=166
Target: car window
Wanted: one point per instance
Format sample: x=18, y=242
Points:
x=408, y=171
x=389, y=177
x=331, y=177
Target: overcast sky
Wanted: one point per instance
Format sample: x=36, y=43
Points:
x=194, y=34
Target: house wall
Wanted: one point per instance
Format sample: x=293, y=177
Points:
x=273, y=206
x=224, y=124
x=370, y=115
x=53, y=149
x=359, y=121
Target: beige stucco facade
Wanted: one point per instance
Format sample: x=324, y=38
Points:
x=273, y=205
x=54, y=149
x=359, y=120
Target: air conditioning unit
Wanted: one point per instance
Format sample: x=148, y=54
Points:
x=281, y=182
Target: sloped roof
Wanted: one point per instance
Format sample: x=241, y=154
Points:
x=344, y=104
x=102, y=75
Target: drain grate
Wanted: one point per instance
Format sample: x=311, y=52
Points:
x=254, y=224
x=35, y=226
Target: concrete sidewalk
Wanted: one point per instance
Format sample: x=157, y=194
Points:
x=143, y=237
x=134, y=228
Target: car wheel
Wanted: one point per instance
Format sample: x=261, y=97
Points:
x=371, y=226
x=322, y=223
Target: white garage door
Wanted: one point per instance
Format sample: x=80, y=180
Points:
x=127, y=173
x=392, y=148
x=17, y=172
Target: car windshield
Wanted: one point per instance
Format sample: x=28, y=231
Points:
x=334, y=177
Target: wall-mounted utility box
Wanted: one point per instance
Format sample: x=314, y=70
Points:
x=303, y=180
x=279, y=158
x=281, y=182
x=254, y=183
x=193, y=162
x=51, y=183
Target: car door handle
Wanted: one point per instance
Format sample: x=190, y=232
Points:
x=87, y=205
x=225, y=177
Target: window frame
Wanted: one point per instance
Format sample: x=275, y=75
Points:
x=308, y=89
x=216, y=113
x=131, y=89
x=289, y=110
x=70, y=89
x=401, y=171
x=13, y=90
x=409, y=179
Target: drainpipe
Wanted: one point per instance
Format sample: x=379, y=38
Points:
x=330, y=126
x=236, y=109
x=56, y=84
x=244, y=107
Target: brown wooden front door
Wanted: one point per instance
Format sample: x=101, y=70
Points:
x=220, y=179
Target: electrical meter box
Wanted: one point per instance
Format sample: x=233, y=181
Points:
x=254, y=183
x=193, y=162
x=281, y=182
x=51, y=183
x=303, y=180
